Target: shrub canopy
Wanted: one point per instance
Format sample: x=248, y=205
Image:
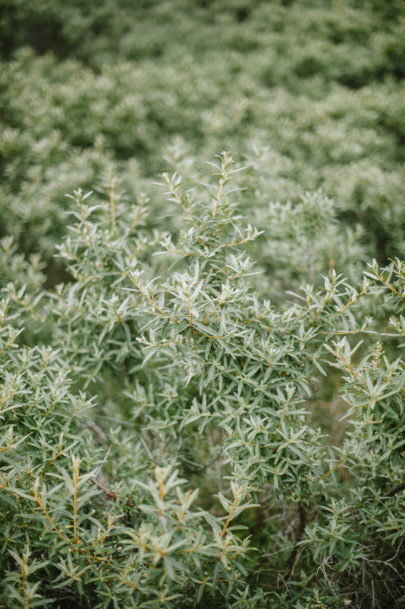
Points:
x=201, y=381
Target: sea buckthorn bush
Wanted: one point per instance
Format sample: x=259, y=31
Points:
x=201, y=354
x=161, y=446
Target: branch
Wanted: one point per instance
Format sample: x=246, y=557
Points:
x=396, y=490
x=293, y=558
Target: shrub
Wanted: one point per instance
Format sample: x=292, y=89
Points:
x=168, y=371
x=195, y=412
x=104, y=98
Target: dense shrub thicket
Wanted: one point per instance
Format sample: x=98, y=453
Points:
x=201, y=381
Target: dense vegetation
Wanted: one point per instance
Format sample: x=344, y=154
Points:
x=201, y=381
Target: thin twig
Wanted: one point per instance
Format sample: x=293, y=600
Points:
x=396, y=490
x=293, y=558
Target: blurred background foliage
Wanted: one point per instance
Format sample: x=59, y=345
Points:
x=307, y=94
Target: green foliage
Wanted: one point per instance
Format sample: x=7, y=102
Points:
x=201, y=381
x=310, y=97
x=197, y=381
